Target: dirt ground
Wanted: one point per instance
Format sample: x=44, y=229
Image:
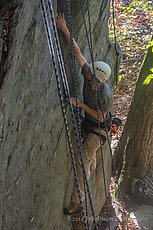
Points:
x=128, y=215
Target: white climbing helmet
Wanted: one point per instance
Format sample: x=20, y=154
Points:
x=102, y=70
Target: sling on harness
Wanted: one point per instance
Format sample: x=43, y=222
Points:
x=91, y=127
x=110, y=124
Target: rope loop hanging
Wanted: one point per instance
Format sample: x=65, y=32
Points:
x=62, y=105
x=55, y=52
x=53, y=59
x=99, y=96
x=74, y=74
x=86, y=185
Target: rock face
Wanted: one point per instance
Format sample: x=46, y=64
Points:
x=35, y=171
x=142, y=216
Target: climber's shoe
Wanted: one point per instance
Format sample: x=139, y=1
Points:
x=72, y=208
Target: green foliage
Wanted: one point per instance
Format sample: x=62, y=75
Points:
x=141, y=4
x=120, y=77
x=150, y=44
x=133, y=23
x=148, y=78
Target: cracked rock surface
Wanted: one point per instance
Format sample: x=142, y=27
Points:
x=35, y=166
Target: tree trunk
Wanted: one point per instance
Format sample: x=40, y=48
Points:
x=136, y=144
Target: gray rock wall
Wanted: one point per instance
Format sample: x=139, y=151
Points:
x=35, y=167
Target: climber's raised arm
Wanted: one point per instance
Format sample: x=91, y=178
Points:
x=61, y=24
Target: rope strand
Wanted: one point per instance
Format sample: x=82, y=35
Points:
x=89, y=39
x=74, y=72
x=51, y=49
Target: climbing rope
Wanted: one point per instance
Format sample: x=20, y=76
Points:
x=53, y=59
x=115, y=40
x=117, y=54
x=70, y=104
x=98, y=96
x=75, y=77
x=78, y=115
x=75, y=128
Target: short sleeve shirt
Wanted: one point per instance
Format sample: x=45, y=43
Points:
x=90, y=97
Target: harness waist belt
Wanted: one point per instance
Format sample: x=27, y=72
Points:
x=102, y=137
x=95, y=125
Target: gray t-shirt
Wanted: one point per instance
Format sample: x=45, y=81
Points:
x=90, y=97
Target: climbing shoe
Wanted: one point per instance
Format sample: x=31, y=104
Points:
x=72, y=208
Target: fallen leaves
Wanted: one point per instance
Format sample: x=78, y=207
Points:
x=134, y=24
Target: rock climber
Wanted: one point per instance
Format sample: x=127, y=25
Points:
x=95, y=112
